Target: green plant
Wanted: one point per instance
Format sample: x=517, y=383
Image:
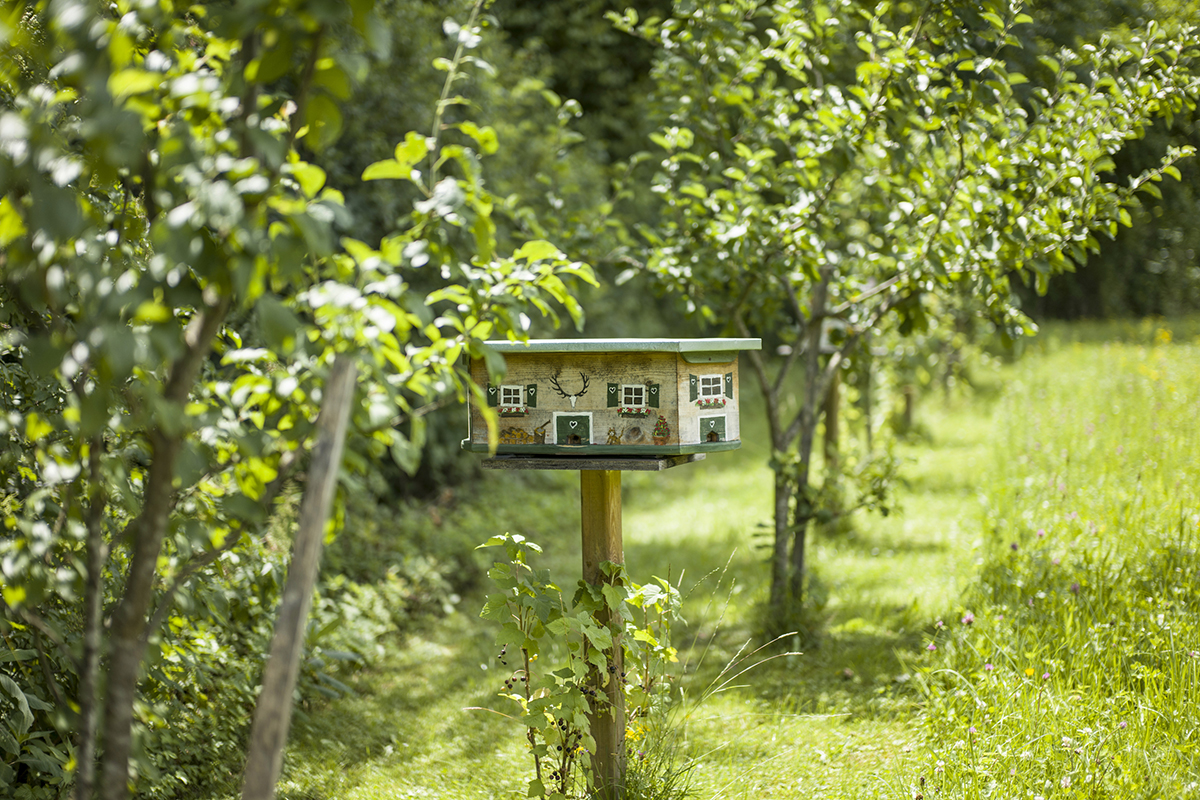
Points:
x=553, y=702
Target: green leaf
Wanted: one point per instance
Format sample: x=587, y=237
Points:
x=323, y=119
x=388, y=168
x=277, y=323
x=598, y=635
x=645, y=636
x=614, y=596
x=414, y=148
x=537, y=250
x=310, y=177
x=18, y=696
x=132, y=81
x=333, y=79
x=12, y=227
x=485, y=137
x=406, y=455
x=273, y=64
x=150, y=312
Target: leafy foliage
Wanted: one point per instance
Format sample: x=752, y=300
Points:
x=173, y=288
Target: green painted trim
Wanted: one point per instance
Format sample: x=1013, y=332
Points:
x=605, y=449
x=711, y=350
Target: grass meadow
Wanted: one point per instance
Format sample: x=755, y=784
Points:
x=1024, y=626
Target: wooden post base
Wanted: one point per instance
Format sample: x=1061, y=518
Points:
x=600, y=504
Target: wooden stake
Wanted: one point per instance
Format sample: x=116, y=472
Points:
x=273, y=712
x=600, y=506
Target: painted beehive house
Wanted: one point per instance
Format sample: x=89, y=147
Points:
x=613, y=396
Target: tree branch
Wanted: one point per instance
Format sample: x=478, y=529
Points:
x=199, y=562
x=310, y=69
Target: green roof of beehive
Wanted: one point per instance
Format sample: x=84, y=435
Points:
x=625, y=345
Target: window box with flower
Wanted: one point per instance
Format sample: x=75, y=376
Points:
x=633, y=399
x=711, y=402
x=512, y=400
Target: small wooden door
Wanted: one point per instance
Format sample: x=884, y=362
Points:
x=573, y=429
x=712, y=429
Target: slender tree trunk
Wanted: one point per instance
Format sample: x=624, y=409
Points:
x=128, y=629
x=273, y=713
x=867, y=388
x=129, y=621
x=779, y=558
x=808, y=431
x=93, y=624
x=803, y=513
x=833, y=399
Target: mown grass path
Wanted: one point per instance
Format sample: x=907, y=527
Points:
x=834, y=721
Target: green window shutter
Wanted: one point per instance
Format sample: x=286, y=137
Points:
x=614, y=395
x=493, y=395
x=652, y=395
x=694, y=387
x=729, y=385
x=531, y=395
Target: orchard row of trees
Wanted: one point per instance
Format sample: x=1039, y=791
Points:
x=205, y=206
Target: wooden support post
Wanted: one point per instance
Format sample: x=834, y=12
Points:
x=600, y=506
x=273, y=711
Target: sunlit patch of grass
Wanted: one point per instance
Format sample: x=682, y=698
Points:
x=1075, y=675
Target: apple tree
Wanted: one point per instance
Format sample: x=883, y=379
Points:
x=859, y=160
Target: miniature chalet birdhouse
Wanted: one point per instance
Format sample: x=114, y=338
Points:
x=651, y=397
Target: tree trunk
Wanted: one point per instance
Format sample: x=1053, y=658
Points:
x=867, y=388
x=128, y=630
x=129, y=620
x=93, y=629
x=807, y=420
x=803, y=512
x=273, y=713
x=779, y=559
x=833, y=399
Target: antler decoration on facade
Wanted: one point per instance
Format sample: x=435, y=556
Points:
x=572, y=397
